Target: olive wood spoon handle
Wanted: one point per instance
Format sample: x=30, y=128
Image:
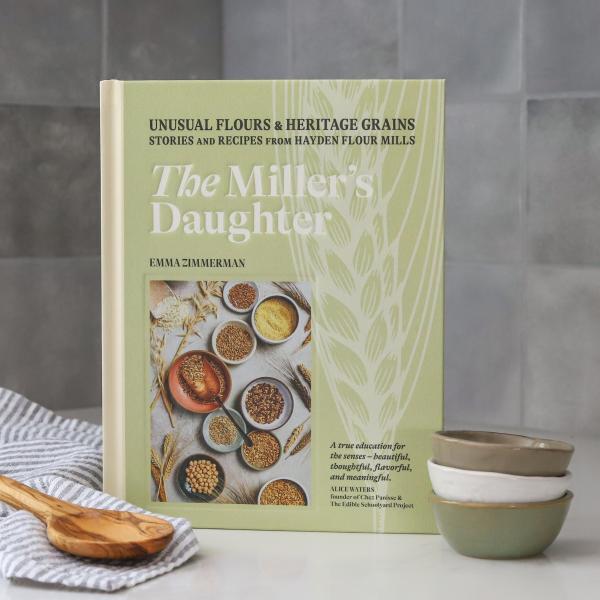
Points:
x=23, y=497
x=90, y=532
x=247, y=439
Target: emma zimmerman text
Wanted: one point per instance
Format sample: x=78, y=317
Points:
x=196, y=262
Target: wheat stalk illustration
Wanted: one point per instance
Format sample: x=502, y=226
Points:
x=379, y=274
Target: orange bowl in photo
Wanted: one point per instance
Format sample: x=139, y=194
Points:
x=183, y=397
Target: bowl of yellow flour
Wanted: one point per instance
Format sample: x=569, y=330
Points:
x=275, y=319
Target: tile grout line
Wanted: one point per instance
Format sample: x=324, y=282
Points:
x=462, y=262
x=104, y=40
x=290, y=37
x=461, y=101
x=32, y=259
x=523, y=221
x=570, y=95
x=401, y=7
x=222, y=40
x=47, y=105
x=222, y=21
x=452, y=262
x=485, y=98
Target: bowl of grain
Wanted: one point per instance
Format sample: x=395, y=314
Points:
x=234, y=341
x=275, y=319
x=264, y=453
x=267, y=403
x=201, y=478
x=187, y=370
x=283, y=492
x=240, y=296
x=219, y=432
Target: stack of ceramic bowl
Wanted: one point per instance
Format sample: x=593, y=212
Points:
x=498, y=495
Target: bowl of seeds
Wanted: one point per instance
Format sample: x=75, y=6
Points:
x=188, y=374
x=220, y=433
x=234, y=341
x=264, y=453
x=275, y=319
x=201, y=478
x=282, y=492
x=267, y=403
x=240, y=296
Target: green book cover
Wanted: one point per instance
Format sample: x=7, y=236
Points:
x=274, y=248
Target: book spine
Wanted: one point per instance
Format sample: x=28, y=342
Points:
x=112, y=195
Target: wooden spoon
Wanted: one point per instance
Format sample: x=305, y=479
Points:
x=90, y=532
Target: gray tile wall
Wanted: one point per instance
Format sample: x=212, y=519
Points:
x=523, y=165
x=52, y=55
x=522, y=178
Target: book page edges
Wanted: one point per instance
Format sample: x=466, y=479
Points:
x=112, y=191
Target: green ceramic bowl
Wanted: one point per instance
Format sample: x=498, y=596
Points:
x=500, y=530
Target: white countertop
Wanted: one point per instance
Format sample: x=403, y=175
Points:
x=256, y=565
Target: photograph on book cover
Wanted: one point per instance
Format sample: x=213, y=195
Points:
x=231, y=375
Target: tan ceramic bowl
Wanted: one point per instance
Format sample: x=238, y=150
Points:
x=501, y=453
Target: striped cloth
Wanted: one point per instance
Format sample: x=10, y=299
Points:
x=63, y=458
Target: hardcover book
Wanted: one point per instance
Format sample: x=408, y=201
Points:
x=272, y=279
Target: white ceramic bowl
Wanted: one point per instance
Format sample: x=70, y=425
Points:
x=288, y=404
x=241, y=324
x=262, y=337
x=235, y=445
x=461, y=485
x=227, y=288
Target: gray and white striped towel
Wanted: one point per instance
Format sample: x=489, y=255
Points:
x=63, y=458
